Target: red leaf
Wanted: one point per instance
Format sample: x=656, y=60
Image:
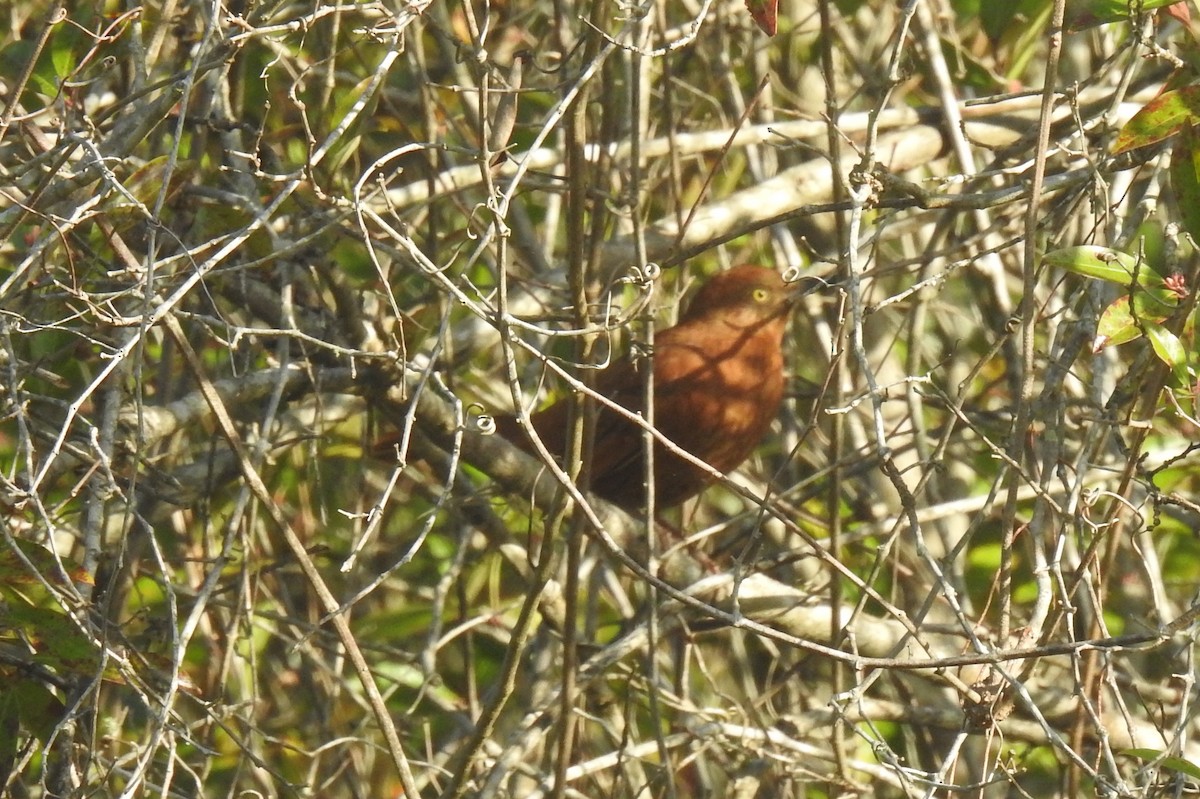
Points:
x=1180, y=12
x=765, y=14
x=1161, y=117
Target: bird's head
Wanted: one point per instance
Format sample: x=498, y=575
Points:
x=745, y=296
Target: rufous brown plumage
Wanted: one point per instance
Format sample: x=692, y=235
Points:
x=718, y=384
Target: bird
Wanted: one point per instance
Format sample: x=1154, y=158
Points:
x=718, y=386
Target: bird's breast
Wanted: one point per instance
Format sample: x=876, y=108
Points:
x=720, y=405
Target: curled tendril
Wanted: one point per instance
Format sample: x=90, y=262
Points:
x=642, y=276
x=807, y=283
x=483, y=423
x=640, y=350
x=502, y=229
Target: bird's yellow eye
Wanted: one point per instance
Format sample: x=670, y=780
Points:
x=761, y=295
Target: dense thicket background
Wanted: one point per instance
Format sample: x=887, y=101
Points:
x=241, y=242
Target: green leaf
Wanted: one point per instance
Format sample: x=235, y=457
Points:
x=10, y=727
x=1185, y=179
x=1121, y=322
x=971, y=70
x=1116, y=326
x=1085, y=13
x=1174, y=763
x=13, y=571
x=996, y=18
x=1170, y=350
x=350, y=141
x=63, y=51
x=57, y=641
x=15, y=57
x=40, y=710
x=1103, y=263
x=145, y=183
x=1160, y=118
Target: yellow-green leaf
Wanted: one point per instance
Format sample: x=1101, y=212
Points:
x=1174, y=763
x=1170, y=350
x=1103, y=263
